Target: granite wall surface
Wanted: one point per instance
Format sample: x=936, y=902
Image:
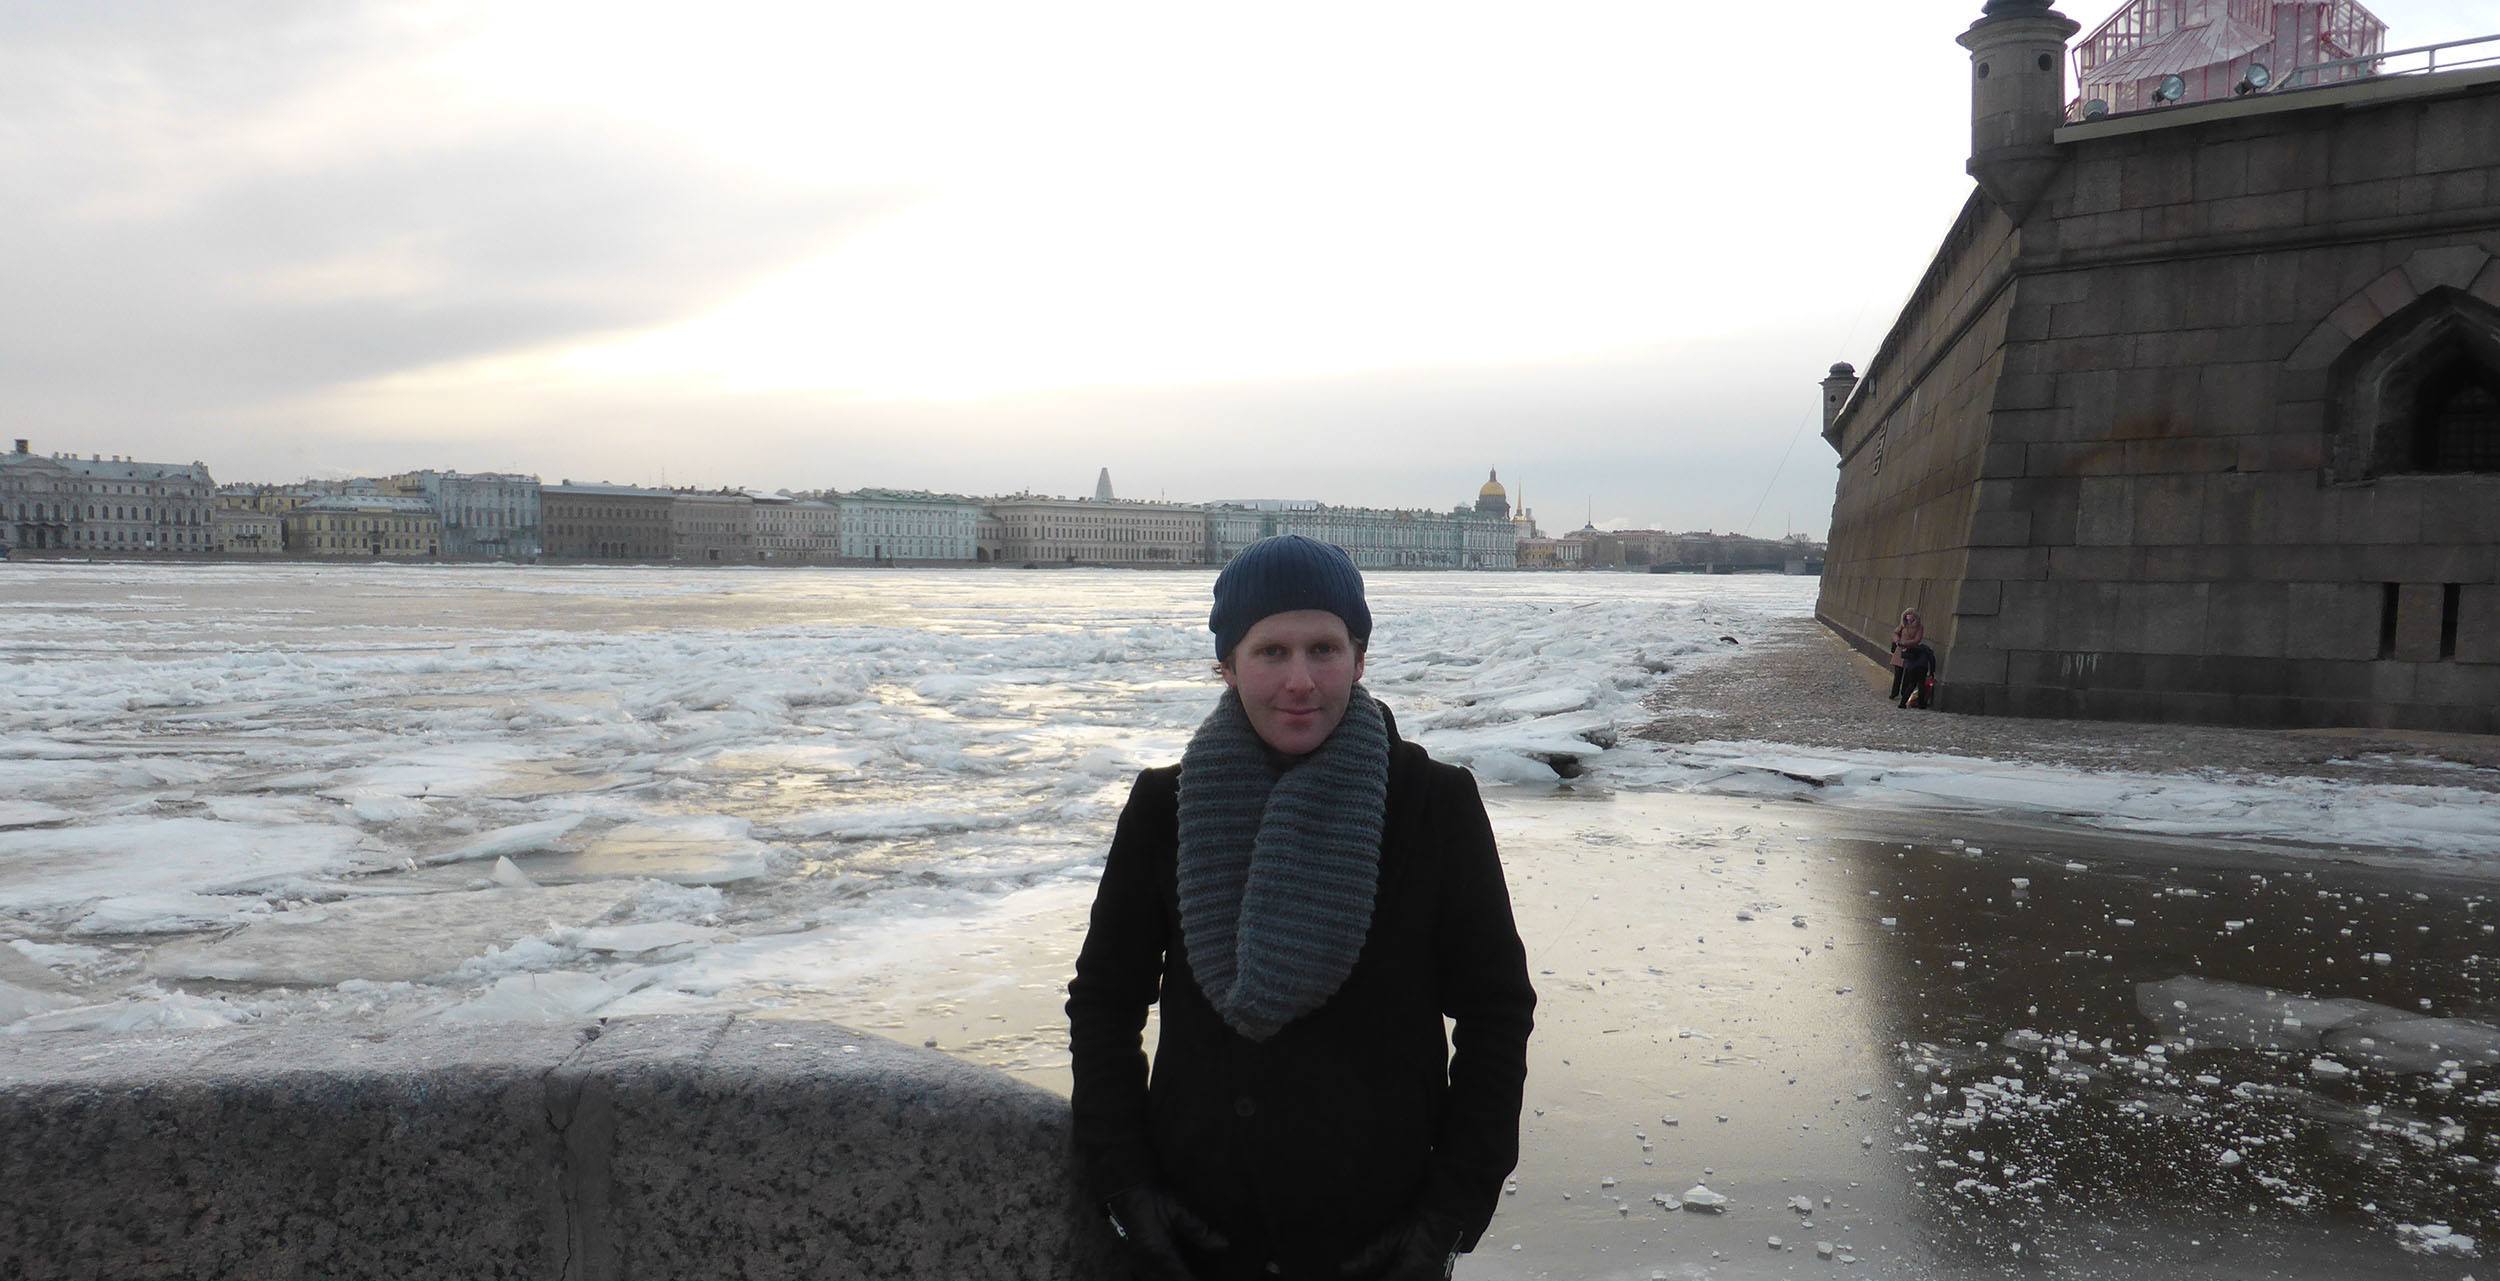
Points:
x=2174, y=499
x=660, y=1147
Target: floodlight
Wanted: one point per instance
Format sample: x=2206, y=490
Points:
x=2257, y=79
x=2096, y=109
x=2172, y=89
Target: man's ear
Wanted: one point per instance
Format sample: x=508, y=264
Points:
x=1225, y=670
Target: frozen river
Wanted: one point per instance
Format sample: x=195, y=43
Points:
x=1986, y=1019
x=384, y=793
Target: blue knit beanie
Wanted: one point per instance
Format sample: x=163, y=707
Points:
x=1281, y=574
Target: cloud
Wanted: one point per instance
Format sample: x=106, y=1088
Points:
x=216, y=235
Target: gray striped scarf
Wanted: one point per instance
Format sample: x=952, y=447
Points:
x=1276, y=872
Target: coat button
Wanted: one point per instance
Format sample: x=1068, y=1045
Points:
x=1244, y=1108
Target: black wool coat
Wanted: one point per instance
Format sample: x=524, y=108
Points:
x=1302, y=1148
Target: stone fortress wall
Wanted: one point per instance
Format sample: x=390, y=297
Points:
x=680, y=1146
x=2142, y=446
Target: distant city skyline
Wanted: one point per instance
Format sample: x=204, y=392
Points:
x=1350, y=255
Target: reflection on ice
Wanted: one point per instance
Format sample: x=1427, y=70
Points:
x=2357, y=1033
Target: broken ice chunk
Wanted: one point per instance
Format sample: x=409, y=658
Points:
x=1700, y=1197
x=1801, y=1204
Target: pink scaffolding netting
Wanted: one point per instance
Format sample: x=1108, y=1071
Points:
x=2211, y=44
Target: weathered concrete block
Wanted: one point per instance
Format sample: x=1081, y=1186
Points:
x=666, y=1147
x=2333, y=620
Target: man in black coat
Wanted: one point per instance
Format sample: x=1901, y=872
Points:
x=1307, y=895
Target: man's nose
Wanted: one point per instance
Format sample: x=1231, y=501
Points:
x=1298, y=674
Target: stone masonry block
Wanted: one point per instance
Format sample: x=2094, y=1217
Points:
x=2357, y=202
x=2459, y=134
x=2321, y=347
x=2459, y=685
x=2168, y=510
x=2001, y=529
x=2093, y=564
x=1979, y=598
x=2282, y=453
x=2372, y=144
x=2462, y=510
x=2003, y=459
x=2085, y=616
x=2246, y=620
x=2221, y=171
x=1977, y=665
x=2267, y=508
x=2105, y=512
x=2024, y=621
x=2487, y=285
x=2377, y=513
x=2198, y=454
x=2161, y=618
x=2454, y=266
x=2008, y=563
x=2357, y=316
x=2393, y=292
x=2246, y=215
x=2418, y=608
x=2478, y=623
x=2333, y=620
x=2076, y=458
x=2165, y=177
x=2289, y=161
x=2095, y=189
x=2441, y=192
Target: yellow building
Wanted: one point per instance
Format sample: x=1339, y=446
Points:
x=368, y=526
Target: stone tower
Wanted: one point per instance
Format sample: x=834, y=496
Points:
x=1836, y=389
x=2017, y=98
x=1102, y=486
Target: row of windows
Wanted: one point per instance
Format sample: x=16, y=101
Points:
x=24, y=510
x=397, y=525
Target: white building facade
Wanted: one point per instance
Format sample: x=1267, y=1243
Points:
x=892, y=525
x=489, y=515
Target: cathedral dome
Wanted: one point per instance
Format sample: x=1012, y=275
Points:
x=1492, y=486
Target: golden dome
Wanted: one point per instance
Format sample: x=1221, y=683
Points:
x=1492, y=486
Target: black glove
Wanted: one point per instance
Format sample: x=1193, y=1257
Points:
x=1423, y=1248
x=1153, y=1225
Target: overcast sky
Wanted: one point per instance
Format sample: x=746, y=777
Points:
x=1358, y=252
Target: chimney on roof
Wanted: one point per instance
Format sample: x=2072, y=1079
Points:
x=2017, y=98
x=22, y=443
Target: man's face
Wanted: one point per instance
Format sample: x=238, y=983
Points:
x=1294, y=672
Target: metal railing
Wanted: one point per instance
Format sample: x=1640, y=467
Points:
x=2341, y=70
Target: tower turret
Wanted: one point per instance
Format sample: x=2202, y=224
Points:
x=2017, y=98
x=1836, y=388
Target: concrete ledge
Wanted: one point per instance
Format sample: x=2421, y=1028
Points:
x=663, y=1147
